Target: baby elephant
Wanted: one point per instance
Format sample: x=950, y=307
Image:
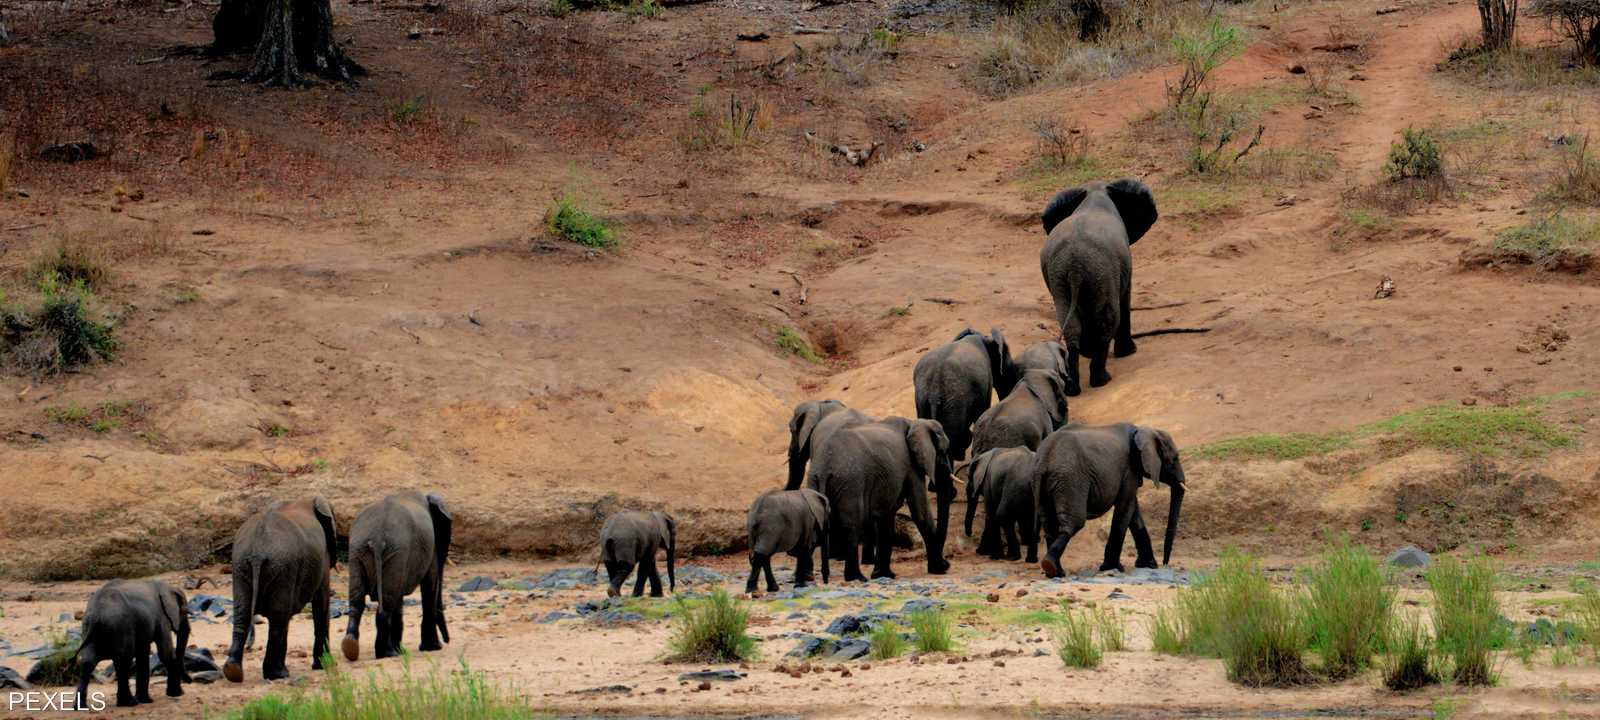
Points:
x=632, y=538
x=1003, y=479
x=397, y=545
x=122, y=619
x=789, y=521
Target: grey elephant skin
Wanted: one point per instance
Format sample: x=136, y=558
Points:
x=1087, y=261
x=810, y=426
x=953, y=383
x=1003, y=479
x=633, y=538
x=787, y=521
x=282, y=560
x=121, y=621
x=397, y=545
x=867, y=471
x=1047, y=355
x=1083, y=472
x=1033, y=410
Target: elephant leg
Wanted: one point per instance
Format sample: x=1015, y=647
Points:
x=273, y=666
x=352, y=627
x=639, y=579
x=1072, y=388
x=1121, y=517
x=772, y=582
x=880, y=567
x=1098, y=375
x=141, y=675
x=803, y=569
x=397, y=626
x=382, y=644
x=1124, y=343
x=1051, y=562
x=1030, y=537
x=173, y=662
x=616, y=574
x=1141, y=541
x=869, y=543
x=755, y=572
x=655, y=576
x=1013, y=548
x=431, y=611
x=86, y=662
x=319, y=628
x=851, y=546
x=124, y=668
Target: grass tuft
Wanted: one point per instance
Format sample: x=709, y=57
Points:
x=713, y=631
x=1349, y=607
x=933, y=631
x=1410, y=662
x=886, y=642
x=1235, y=614
x=1552, y=236
x=790, y=341
x=457, y=695
x=58, y=667
x=69, y=260
x=60, y=334
x=569, y=219
x=1075, y=641
x=1465, y=618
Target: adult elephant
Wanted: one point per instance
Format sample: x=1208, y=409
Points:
x=813, y=421
x=867, y=471
x=398, y=544
x=1003, y=479
x=1087, y=262
x=1035, y=409
x=282, y=558
x=953, y=383
x=1046, y=355
x=1082, y=472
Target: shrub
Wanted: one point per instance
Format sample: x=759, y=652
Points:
x=1349, y=607
x=1200, y=53
x=1046, y=41
x=461, y=694
x=886, y=642
x=1465, y=617
x=59, y=665
x=712, y=631
x=1414, y=156
x=1577, y=174
x=1578, y=21
x=1499, y=20
x=1063, y=146
x=790, y=341
x=567, y=218
x=1075, y=642
x=71, y=259
x=1409, y=664
x=933, y=633
x=1263, y=640
x=60, y=334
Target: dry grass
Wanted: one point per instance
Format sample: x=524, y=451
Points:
x=1041, y=44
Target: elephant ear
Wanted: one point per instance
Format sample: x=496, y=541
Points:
x=324, y=512
x=1146, y=453
x=1136, y=206
x=439, y=512
x=920, y=440
x=1056, y=404
x=1061, y=357
x=965, y=333
x=818, y=504
x=173, y=606
x=1002, y=370
x=1062, y=207
x=980, y=475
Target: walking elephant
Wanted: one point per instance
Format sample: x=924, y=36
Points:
x=867, y=472
x=1082, y=472
x=121, y=621
x=953, y=383
x=1035, y=409
x=1003, y=479
x=787, y=521
x=632, y=538
x=1087, y=261
x=813, y=421
x=398, y=544
x=282, y=558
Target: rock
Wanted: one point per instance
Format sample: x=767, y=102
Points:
x=207, y=607
x=757, y=36
x=718, y=675
x=697, y=575
x=1022, y=592
x=69, y=152
x=851, y=649
x=614, y=617
x=566, y=579
x=810, y=646
x=205, y=677
x=589, y=607
x=338, y=608
x=1409, y=556
x=702, y=687
x=993, y=597
x=478, y=583
x=921, y=605
x=605, y=690
x=555, y=615
x=195, y=660
x=1544, y=632
x=9, y=680
x=1297, y=69
x=1119, y=595
x=1385, y=288
x=847, y=625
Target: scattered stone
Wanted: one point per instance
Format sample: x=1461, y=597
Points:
x=566, y=579
x=697, y=575
x=1358, y=77
x=205, y=677
x=847, y=625
x=195, y=660
x=478, y=583
x=1118, y=594
x=1286, y=200
x=1409, y=556
x=1388, y=10
x=718, y=675
x=844, y=672
x=1544, y=632
x=10, y=680
x=921, y=605
x=605, y=690
x=850, y=649
x=1469, y=401
x=1385, y=288
x=999, y=663
x=993, y=597
x=208, y=606
x=810, y=646
x=757, y=36
x=1022, y=592
x=702, y=687
x=555, y=615
x=70, y=152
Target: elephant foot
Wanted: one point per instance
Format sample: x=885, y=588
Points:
x=1124, y=349
x=174, y=691
x=1117, y=566
x=938, y=568
x=1051, y=568
x=855, y=577
x=1099, y=379
x=351, y=647
x=751, y=589
x=1072, y=389
x=883, y=574
x=127, y=702
x=611, y=592
x=1032, y=558
x=774, y=587
x=145, y=699
x=1147, y=564
x=1014, y=555
x=383, y=652
x=275, y=673
x=233, y=671
x=430, y=646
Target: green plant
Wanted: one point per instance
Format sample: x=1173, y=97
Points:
x=1552, y=236
x=461, y=694
x=790, y=341
x=1263, y=640
x=274, y=430
x=71, y=259
x=59, y=664
x=1166, y=631
x=1444, y=708
x=406, y=112
x=569, y=219
x=1108, y=626
x=898, y=311
x=557, y=8
x=1409, y=664
x=60, y=334
x=647, y=9
x=1200, y=53
x=933, y=631
x=1415, y=156
x=67, y=415
x=1349, y=607
x=1074, y=640
x=712, y=631
x=886, y=641
x=1465, y=617
x=104, y=425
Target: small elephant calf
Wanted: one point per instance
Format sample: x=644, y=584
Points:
x=1003, y=479
x=632, y=538
x=122, y=619
x=787, y=521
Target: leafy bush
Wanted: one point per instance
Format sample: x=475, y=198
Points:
x=712, y=631
x=458, y=695
x=886, y=642
x=58, y=335
x=933, y=632
x=59, y=666
x=1075, y=641
x=1466, y=614
x=1409, y=664
x=1201, y=53
x=1349, y=607
x=1578, y=21
x=1415, y=156
x=567, y=218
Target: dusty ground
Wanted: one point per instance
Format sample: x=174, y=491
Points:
x=345, y=291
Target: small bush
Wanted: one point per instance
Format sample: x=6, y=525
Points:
x=644, y=9
x=1349, y=607
x=406, y=112
x=1263, y=640
x=71, y=260
x=1415, y=156
x=712, y=631
x=57, y=667
x=1166, y=631
x=1200, y=53
x=1409, y=664
x=1577, y=175
x=1062, y=146
x=1075, y=641
x=790, y=341
x=933, y=632
x=1578, y=21
x=1465, y=618
x=567, y=218
x=462, y=694
x=60, y=334
x=886, y=642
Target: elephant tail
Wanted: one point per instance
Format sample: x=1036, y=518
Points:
x=1071, y=328
x=377, y=569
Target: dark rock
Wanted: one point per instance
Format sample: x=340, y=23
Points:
x=555, y=615
x=718, y=675
x=337, y=608
x=1119, y=595
x=696, y=575
x=478, y=583
x=810, y=646
x=1297, y=69
x=205, y=677
x=614, y=617
x=847, y=625
x=850, y=649
x=1544, y=632
x=1409, y=556
x=566, y=579
x=207, y=607
x=921, y=605
x=69, y=152
x=589, y=607
x=195, y=660
x=605, y=690
x=9, y=680
x=757, y=36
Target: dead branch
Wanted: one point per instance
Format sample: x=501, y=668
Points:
x=1171, y=331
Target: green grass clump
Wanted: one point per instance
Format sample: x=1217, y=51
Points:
x=58, y=667
x=1416, y=155
x=1166, y=631
x=1074, y=636
x=71, y=259
x=1109, y=628
x=1365, y=222
x=1349, y=607
x=1275, y=447
x=59, y=334
x=458, y=695
x=933, y=631
x=568, y=219
x=1409, y=663
x=1552, y=236
x=1465, y=618
x=1235, y=614
x=886, y=642
x=790, y=341
x=713, y=631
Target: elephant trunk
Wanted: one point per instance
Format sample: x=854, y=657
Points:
x=1172, y=522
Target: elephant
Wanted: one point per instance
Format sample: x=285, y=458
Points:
x=1035, y=409
x=790, y=521
x=1087, y=261
x=1003, y=479
x=632, y=538
x=282, y=560
x=866, y=471
x=813, y=421
x=1081, y=472
x=1047, y=355
x=398, y=544
x=122, y=619
x=953, y=383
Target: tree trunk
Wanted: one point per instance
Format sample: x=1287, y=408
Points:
x=290, y=39
x=1499, y=18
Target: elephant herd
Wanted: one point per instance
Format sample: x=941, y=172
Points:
x=283, y=558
